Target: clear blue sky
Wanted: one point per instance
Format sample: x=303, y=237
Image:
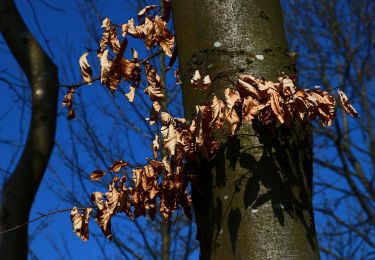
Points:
x=65, y=31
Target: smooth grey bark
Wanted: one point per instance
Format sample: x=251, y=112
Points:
x=254, y=199
x=19, y=190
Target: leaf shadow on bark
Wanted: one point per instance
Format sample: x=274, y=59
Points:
x=282, y=177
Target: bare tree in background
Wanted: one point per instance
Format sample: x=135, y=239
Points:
x=19, y=189
x=335, y=42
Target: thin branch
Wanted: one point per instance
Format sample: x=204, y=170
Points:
x=97, y=78
x=36, y=219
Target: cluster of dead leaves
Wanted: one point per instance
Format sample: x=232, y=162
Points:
x=153, y=31
x=158, y=184
x=162, y=184
x=270, y=102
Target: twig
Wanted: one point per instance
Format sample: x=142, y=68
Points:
x=160, y=51
x=35, y=219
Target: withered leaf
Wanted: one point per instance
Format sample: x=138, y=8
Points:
x=137, y=177
x=155, y=146
x=118, y=165
x=86, y=71
x=146, y=9
x=169, y=134
x=80, y=222
x=97, y=175
x=105, y=67
x=109, y=37
x=131, y=94
x=231, y=97
x=68, y=102
x=346, y=104
x=275, y=105
x=218, y=112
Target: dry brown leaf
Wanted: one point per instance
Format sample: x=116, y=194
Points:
x=152, y=76
x=146, y=9
x=105, y=67
x=165, y=37
x=275, y=104
x=112, y=197
x=97, y=175
x=80, y=222
x=346, y=104
x=155, y=146
x=137, y=177
x=103, y=216
x=169, y=134
x=68, y=102
x=246, y=89
x=131, y=94
x=155, y=93
x=231, y=97
x=86, y=71
x=109, y=37
x=218, y=112
x=250, y=109
x=117, y=166
x=233, y=120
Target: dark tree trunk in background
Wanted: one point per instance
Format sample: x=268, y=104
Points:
x=19, y=190
x=253, y=201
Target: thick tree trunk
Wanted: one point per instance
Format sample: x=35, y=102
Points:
x=253, y=201
x=19, y=190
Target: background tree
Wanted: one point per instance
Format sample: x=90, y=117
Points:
x=19, y=190
x=335, y=44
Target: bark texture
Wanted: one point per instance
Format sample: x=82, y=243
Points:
x=19, y=190
x=253, y=201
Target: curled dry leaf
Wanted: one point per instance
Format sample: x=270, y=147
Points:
x=103, y=216
x=68, y=102
x=97, y=175
x=109, y=37
x=218, y=112
x=346, y=104
x=146, y=9
x=155, y=146
x=117, y=166
x=105, y=67
x=86, y=70
x=131, y=94
x=80, y=222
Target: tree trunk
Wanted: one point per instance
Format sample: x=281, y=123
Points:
x=19, y=190
x=253, y=200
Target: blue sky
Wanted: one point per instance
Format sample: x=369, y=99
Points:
x=67, y=36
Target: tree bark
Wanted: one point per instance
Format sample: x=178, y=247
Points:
x=254, y=199
x=19, y=190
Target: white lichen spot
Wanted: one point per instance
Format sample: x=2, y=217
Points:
x=221, y=231
x=217, y=44
x=209, y=66
x=39, y=92
x=259, y=57
x=226, y=197
x=254, y=211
